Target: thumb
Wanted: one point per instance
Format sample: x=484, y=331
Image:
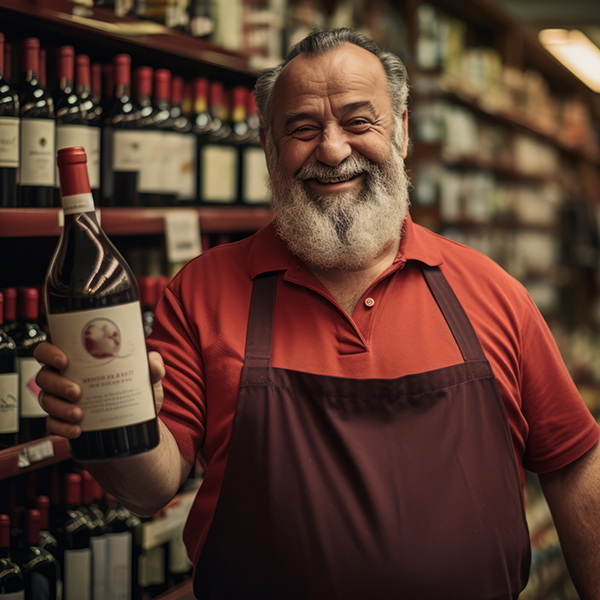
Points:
x=157, y=372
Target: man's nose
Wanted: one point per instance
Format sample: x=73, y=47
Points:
x=334, y=146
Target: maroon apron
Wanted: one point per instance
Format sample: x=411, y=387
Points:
x=360, y=489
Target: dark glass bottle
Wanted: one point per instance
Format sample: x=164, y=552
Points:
x=41, y=571
x=124, y=533
x=183, y=172
x=27, y=334
x=254, y=174
x=73, y=536
x=148, y=298
x=94, y=315
x=70, y=112
x=37, y=134
x=9, y=137
x=122, y=154
x=47, y=539
x=218, y=157
x=9, y=387
x=12, y=585
x=93, y=113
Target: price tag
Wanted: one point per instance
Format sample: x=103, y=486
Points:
x=182, y=235
x=35, y=453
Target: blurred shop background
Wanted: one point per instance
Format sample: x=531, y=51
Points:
x=504, y=157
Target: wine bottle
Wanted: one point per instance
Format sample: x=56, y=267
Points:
x=48, y=541
x=70, y=111
x=98, y=539
x=122, y=152
x=254, y=174
x=37, y=134
x=123, y=531
x=12, y=586
x=94, y=316
x=41, y=571
x=154, y=122
x=73, y=536
x=9, y=387
x=9, y=137
x=88, y=85
x=184, y=171
x=10, y=309
x=218, y=159
x=27, y=335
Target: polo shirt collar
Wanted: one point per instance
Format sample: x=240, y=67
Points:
x=270, y=253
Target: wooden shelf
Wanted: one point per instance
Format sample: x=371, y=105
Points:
x=44, y=222
x=33, y=455
x=101, y=34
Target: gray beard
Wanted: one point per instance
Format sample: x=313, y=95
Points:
x=345, y=230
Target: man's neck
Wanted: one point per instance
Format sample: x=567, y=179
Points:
x=347, y=286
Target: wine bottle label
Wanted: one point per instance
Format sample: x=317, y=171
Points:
x=119, y=564
x=93, y=156
x=151, y=170
x=9, y=142
x=128, y=151
x=9, y=402
x=107, y=358
x=77, y=584
x=218, y=166
x=99, y=545
x=38, y=153
x=69, y=136
x=151, y=567
x=171, y=162
x=255, y=176
x=28, y=369
x=13, y=595
x=78, y=203
x=187, y=167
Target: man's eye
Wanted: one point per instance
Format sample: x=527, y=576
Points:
x=359, y=124
x=304, y=133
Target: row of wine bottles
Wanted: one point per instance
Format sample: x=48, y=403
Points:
x=22, y=327
x=79, y=543
x=151, y=139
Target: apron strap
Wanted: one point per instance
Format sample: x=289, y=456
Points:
x=260, y=321
x=455, y=316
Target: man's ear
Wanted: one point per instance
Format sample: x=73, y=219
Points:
x=263, y=137
x=404, y=133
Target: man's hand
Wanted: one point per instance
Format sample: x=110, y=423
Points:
x=59, y=396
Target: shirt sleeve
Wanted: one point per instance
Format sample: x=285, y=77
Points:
x=183, y=410
x=561, y=427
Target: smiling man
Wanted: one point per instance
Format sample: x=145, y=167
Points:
x=365, y=394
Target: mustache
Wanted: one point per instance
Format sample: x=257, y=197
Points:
x=352, y=166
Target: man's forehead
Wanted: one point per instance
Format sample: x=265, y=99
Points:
x=340, y=69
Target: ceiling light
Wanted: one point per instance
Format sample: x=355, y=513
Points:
x=576, y=52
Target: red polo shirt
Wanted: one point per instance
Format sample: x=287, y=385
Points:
x=396, y=329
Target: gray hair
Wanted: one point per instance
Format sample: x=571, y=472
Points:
x=320, y=42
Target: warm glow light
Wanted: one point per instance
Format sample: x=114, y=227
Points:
x=577, y=52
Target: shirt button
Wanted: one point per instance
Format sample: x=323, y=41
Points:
x=369, y=302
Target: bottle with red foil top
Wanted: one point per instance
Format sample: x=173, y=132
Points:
x=11, y=578
x=218, y=156
x=9, y=136
x=27, y=334
x=41, y=571
x=92, y=112
x=122, y=155
x=9, y=387
x=71, y=115
x=37, y=170
x=94, y=316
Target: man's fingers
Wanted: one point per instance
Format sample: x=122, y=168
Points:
x=54, y=383
x=51, y=355
x=60, y=410
x=67, y=430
